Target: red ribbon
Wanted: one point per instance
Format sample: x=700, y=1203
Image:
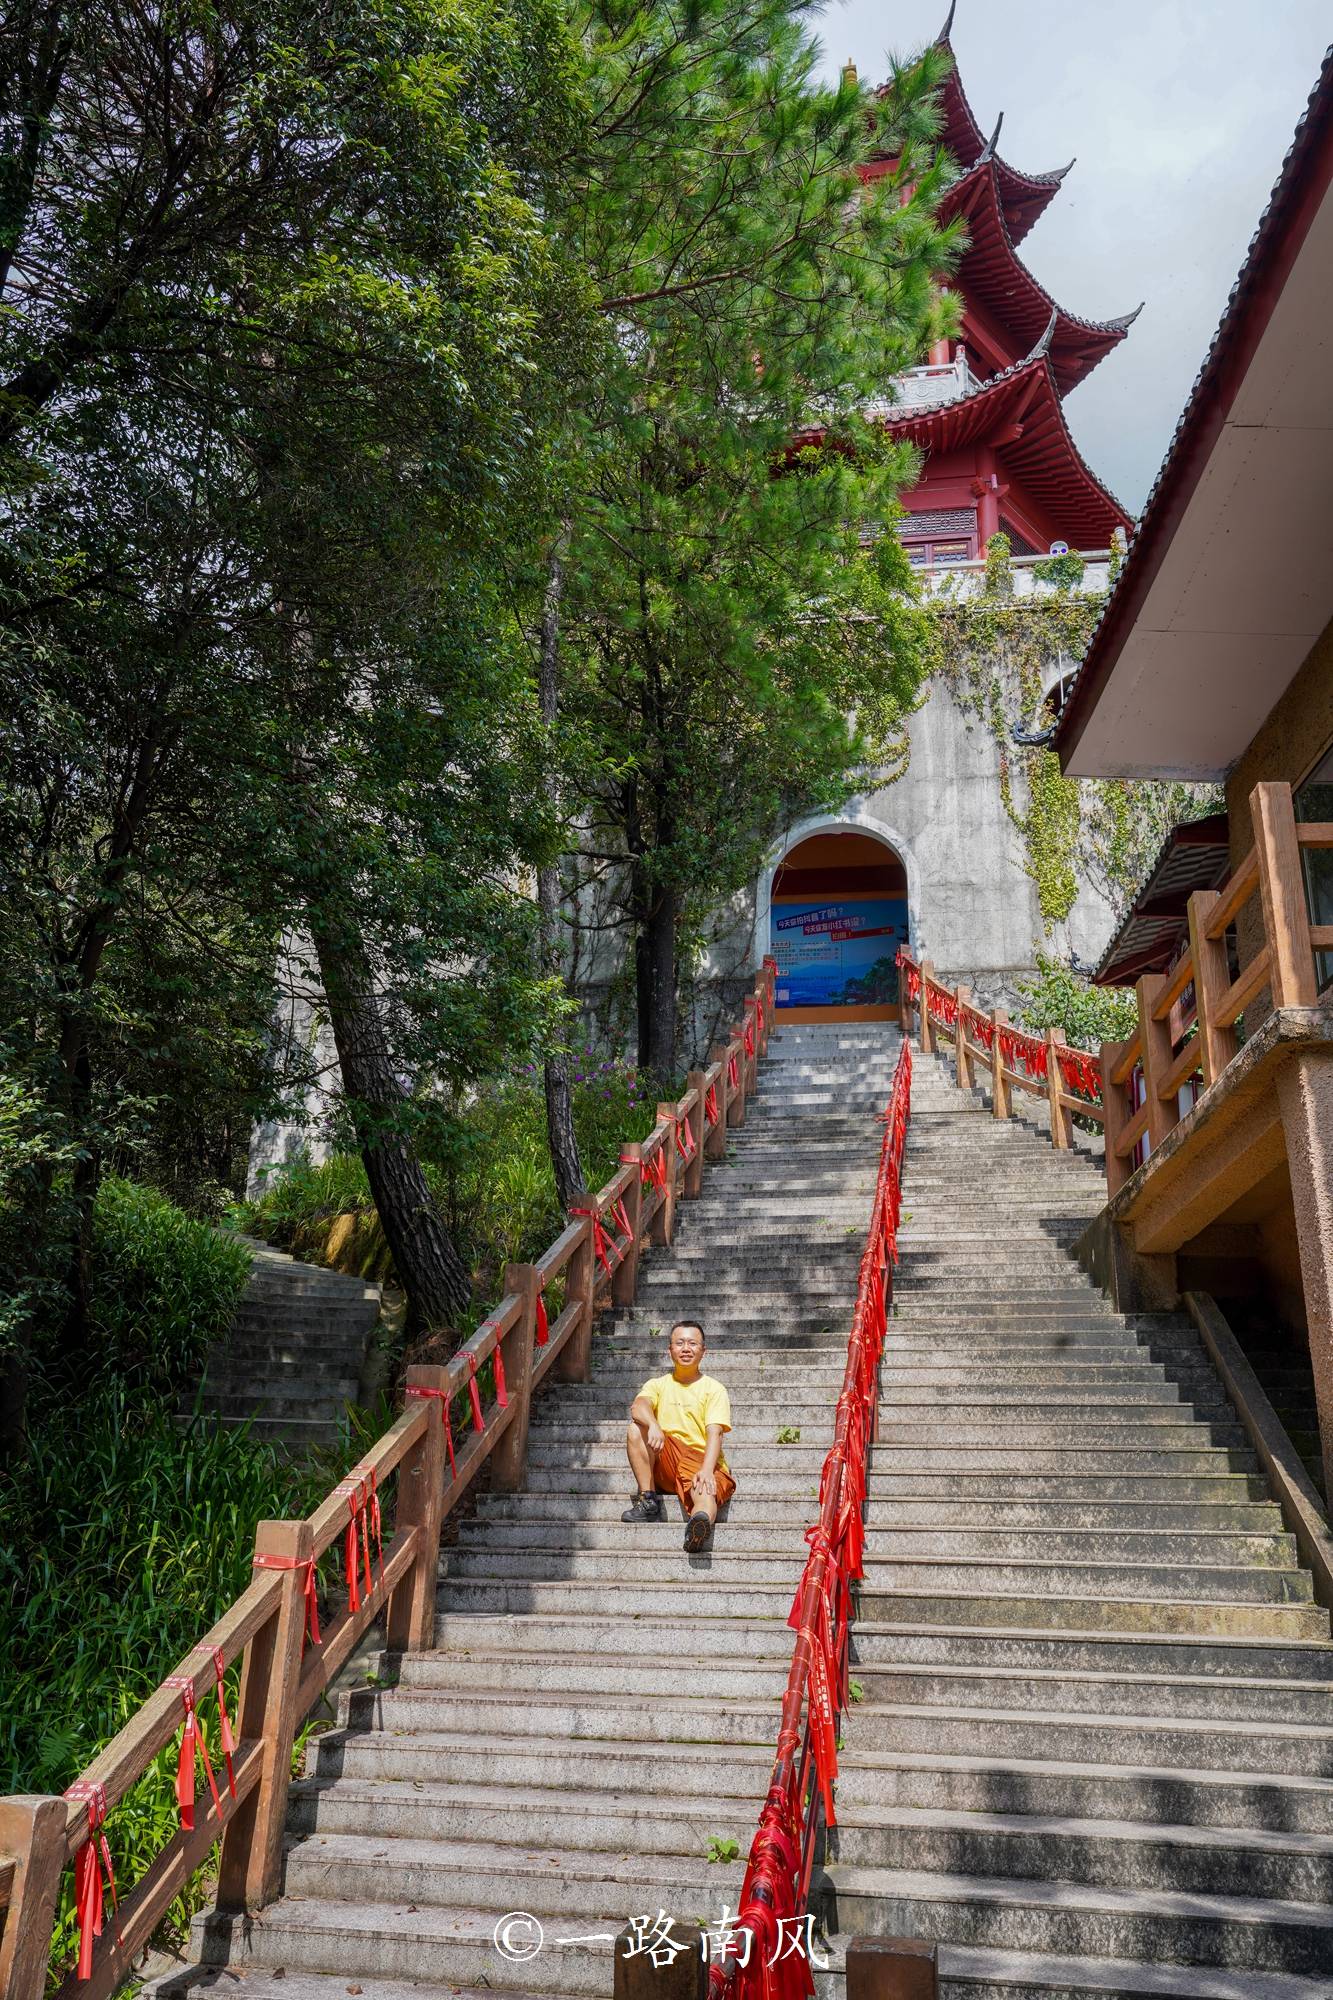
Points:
x=733, y=1074
x=93, y=1875
x=224, y=1720
x=1081, y=1072
x=354, y=1492
x=543, y=1322
x=749, y=1036
x=192, y=1740
x=710, y=1105
x=685, y=1145
x=443, y=1397
x=310, y=1590
x=601, y=1242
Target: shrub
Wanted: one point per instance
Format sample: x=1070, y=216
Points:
x=1089, y=1015
x=163, y=1286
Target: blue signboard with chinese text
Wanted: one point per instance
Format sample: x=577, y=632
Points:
x=838, y=953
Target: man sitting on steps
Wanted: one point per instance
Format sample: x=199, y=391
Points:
x=674, y=1440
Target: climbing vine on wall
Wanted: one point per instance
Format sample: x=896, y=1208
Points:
x=999, y=654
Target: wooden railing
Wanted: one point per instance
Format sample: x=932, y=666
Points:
x=413, y=1477
x=1189, y=1017
x=989, y=1046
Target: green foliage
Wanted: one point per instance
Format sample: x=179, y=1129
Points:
x=855, y=1691
x=789, y=1434
x=486, y=1161
x=122, y=1539
x=164, y=1284
x=723, y=1848
x=995, y=652
x=1089, y=1015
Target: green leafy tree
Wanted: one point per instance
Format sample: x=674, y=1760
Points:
x=735, y=648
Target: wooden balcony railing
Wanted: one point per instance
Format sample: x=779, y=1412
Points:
x=386, y=1516
x=1189, y=1017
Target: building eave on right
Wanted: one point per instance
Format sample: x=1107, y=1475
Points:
x=1229, y=578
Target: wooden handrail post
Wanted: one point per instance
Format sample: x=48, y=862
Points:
x=1155, y=1042
x=736, y=1105
x=625, y=1277
x=32, y=1832
x=1062, y=1124
x=410, y=1622
x=892, y=1968
x=927, y=1038
x=666, y=1115
x=509, y=1460
x=1212, y=977
x=999, y=1082
x=1282, y=895
x=694, y=1171
x=251, y=1860
x=1118, y=1112
x=715, y=1145
x=750, y=1063
x=962, y=1059
x=574, y=1361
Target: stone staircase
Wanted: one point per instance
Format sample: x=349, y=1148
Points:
x=293, y=1356
x=1092, y=1753
x=1095, y=1750
x=601, y=1706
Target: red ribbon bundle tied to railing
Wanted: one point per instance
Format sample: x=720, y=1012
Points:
x=357, y=1531
x=943, y=1005
x=310, y=1589
x=193, y=1744
x=801, y=1791
x=224, y=1720
x=1017, y=1048
x=94, y=1877
x=685, y=1139
x=1082, y=1073
x=443, y=1397
x=749, y=1036
x=543, y=1320
x=733, y=1070
x=710, y=1105
x=654, y=1169
x=981, y=1027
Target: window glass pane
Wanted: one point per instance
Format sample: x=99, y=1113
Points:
x=1314, y=801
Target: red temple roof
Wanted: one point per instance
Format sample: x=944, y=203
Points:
x=1025, y=196
x=992, y=276
x=1020, y=414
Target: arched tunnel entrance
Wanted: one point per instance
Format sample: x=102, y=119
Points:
x=838, y=914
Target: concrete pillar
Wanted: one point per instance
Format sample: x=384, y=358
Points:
x=1305, y=1095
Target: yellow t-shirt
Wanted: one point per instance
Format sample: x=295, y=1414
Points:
x=685, y=1409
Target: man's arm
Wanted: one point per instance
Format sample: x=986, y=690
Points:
x=641, y=1410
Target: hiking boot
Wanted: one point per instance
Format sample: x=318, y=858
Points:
x=698, y=1534
x=647, y=1507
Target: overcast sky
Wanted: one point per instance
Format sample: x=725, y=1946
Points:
x=1179, y=113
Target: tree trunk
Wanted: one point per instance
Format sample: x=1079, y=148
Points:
x=560, y=1134
x=660, y=943
x=425, y=1257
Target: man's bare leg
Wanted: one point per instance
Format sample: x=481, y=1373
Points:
x=642, y=1466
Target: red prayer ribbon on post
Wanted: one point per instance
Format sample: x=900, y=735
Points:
x=355, y=1492
x=710, y=1104
x=733, y=1072
x=543, y=1322
x=685, y=1144
x=224, y=1720
x=310, y=1591
x=192, y=1740
x=93, y=1874
x=442, y=1396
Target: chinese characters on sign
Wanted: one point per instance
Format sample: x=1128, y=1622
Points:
x=519, y=1936
x=839, y=954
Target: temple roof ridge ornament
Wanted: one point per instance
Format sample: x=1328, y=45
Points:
x=1026, y=195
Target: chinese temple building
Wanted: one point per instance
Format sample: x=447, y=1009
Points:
x=987, y=413
x=988, y=409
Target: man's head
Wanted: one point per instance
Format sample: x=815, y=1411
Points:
x=686, y=1344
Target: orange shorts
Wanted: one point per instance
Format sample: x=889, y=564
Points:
x=675, y=1466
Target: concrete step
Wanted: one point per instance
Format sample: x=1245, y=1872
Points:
x=1061, y=1917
